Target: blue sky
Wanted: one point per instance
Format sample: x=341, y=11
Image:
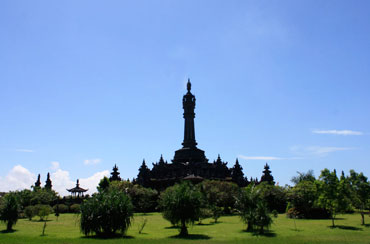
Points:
x=87, y=84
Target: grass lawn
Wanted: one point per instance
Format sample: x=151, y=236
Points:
x=228, y=230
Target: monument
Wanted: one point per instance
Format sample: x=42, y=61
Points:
x=189, y=162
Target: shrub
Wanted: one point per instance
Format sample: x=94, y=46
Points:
x=9, y=210
x=74, y=208
x=216, y=212
x=274, y=196
x=105, y=213
x=181, y=204
x=253, y=209
x=43, y=211
x=30, y=212
x=220, y=193
x=203, y=214
x=60, y=208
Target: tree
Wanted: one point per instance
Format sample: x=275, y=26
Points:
x=143, y=199
x=330, y=195
x=309, y=176
x=9, y=210
x=181, y=205
x=30, y=212
x=253, y=209
x=43, y=211
x=219, y=195
x=274, y=196
x=43, y=196
x=247, y=204
x=267, y=177
x=106, y=213
x=360, y=192
x=237, y=174
x=103, y=184
x=302, y=197
x=263, y=217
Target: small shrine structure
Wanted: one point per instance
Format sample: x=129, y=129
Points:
x=77, y=191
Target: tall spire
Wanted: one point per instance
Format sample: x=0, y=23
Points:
x=188, y=85
x=38, y=182
x=188, y=103
x=48, y=184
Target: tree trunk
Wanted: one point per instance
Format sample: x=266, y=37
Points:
x=332, y=221
x=363, y=218
x=249, y=227
x=9, y=226
x=262, y=230
x=184, y=230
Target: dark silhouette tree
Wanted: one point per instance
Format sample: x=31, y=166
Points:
x=143, y=178
x=309, y=176
x=115, y=174
x=267, y=177
x=9, y=210
x=103, y=184
x=48, y=184
x=237, y=174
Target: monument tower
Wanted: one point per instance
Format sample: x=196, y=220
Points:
x=189, y=153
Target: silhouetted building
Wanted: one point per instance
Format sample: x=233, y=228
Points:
x=189, y=162
x=143, y=178
x=237, y=174
x=48, y=184
x=38, y=182
x=267, y=177
x=115, y=174
x=77, y=191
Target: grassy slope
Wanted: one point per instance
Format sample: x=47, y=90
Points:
x=229, y=230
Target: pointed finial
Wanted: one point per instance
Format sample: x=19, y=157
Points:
x=188, y=85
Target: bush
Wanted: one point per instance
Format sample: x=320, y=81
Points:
x=74, y=208
x=274, y=196
x=30, y=212
x=253, y=209
x=43, y=211
x=204, y=213
x=9, y=210
x=60, y=208
x=181, y=204
x=105, y=213
x=220, y=193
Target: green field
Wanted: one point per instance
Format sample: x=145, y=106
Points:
x=229, y=230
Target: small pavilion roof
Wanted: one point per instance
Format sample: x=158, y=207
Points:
x=77, y=188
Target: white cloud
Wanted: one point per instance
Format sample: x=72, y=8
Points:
x=92, y=161
x=24, y=150
x=92, y=182
x=259, y=157
x=318, y=150
x=266, y=158
x=55, y=165
x=322, y=151
x=18, y=178
x=339, y=132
